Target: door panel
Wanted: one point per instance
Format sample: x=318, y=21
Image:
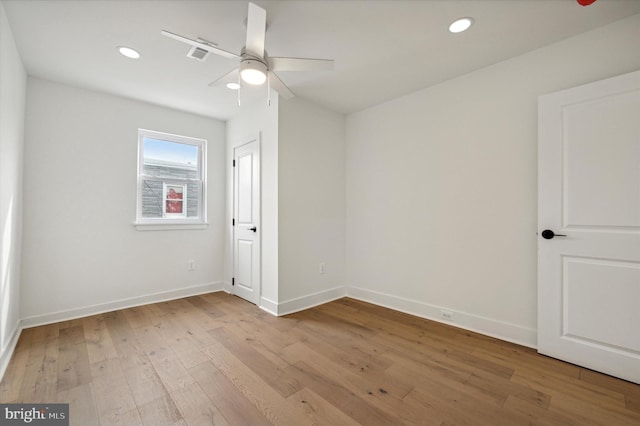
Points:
x=602, y=171
x=586, y=301
x=244, y=163
x=245, y=262
x=589, y=192
x=246, y=230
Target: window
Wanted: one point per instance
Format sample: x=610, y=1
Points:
x=171, y=179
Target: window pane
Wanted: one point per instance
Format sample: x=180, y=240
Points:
x=152, y=199
x=170, y=159
x=175, y=198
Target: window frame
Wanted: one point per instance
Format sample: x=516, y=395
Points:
x=172, y=220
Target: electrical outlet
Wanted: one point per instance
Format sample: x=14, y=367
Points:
x=447, y=315
x=191, y=265
x=322, y=268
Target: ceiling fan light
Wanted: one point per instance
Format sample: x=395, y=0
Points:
x=253, y=72
x=460, y=25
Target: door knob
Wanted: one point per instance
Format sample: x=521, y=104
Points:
x=548, y=234
x=253, y=228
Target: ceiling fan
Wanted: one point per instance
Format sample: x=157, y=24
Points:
x=255, y=66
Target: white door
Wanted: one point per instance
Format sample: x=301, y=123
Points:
x=589, y=194
x=246, y=221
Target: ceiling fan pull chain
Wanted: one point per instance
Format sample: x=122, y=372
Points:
x=268, y=89
x=239, y=89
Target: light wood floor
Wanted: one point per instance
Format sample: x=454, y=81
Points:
x=216, y=359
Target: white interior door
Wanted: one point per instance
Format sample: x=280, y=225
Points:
x=589, y=193
x=246, y=221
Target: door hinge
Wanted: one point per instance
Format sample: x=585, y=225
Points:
x=233, y=281
x=234, y=163
x=233, y=222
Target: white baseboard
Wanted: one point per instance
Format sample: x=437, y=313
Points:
x=7, y=351
x=311, y=300
x=268, y=306
x=164, y=296
x=498, y=329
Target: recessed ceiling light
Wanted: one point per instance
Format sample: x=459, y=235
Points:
x=128, y=52
x=460, y=25
x=233, y=86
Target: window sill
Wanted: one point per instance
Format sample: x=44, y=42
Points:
x=145, y=226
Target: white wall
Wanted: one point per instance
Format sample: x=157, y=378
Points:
x=311, y=204
x=82, y=253
x=13, y=83
x=302, y=174
x=442, y=186
x=251, y=120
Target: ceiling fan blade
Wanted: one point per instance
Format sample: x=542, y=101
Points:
x=279, y=86
x=300, y=64
x=201, y=45
x=256, y=29
x=230, y=77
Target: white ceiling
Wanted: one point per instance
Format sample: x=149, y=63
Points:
x=382, y=49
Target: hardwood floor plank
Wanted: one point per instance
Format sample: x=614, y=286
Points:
x=478, y=363
x=424, y=359
x=350, y=352
x=539, y=415
x=389, y=322
x=319, y=411
x=485, y=382
x=458, y=406
x=208, y=306
x=266, y=340
x=427, y=380
x=267, y=400
x=179, y=339
x=98, y=340
x=130, y=352
x=41, y=380
x=593, y=412
x=193, y=404
x=114, y=402
x=353, y=404
x=82, y=405
x=194, y=323
x=257, y=328
x=137, y=317
x=275, y=376
x=557, y=386
x=236, y=409
x=14, y=376
x=519, y=357
x=363, y=381
x=196, y=408
x=145, y=384
x=159, y=411
x=217, y=359
x=630, y=390
x=73, y=359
